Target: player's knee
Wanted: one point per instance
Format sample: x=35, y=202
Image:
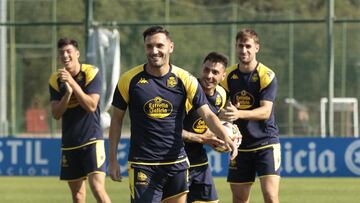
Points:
x=100, y=194
x=97, y=189
x=270, y=197
x=78, y=196
x=237, y=198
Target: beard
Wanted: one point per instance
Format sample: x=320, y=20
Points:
x=156, y=62
x=245, y=61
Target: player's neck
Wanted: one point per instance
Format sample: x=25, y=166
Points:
x=248, y=67
x=158, y=71
x=209, y=92
x=75, y=70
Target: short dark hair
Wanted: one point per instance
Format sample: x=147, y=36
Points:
x=216, y=57
x=247, y=33
x=155, y=30
x=66, y=41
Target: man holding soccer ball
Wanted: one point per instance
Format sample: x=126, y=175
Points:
x=155, y=94
x=252, y=89
x=196, y=133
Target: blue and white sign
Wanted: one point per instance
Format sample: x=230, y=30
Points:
x=320, y=157
x=301, y=157
x=29, y=157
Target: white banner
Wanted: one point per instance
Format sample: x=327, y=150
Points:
x=104, y=52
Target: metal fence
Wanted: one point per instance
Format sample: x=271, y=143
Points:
x=295, y=38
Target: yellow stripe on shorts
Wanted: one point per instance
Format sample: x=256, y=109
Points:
x=277, y=156
x=100, y=153
x=131, y=180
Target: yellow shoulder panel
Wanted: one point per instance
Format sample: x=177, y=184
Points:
x=90, y=72
x=53, y=81
x=190, y=82
x=188, y=106
x=224, y=83
x=266, y=75
x=222, y=93
x=125, y=79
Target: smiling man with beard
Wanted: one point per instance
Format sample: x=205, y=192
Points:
x=155, y=93
x=196, y=133
x=252, y=88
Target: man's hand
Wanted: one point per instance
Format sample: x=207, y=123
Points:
x=115, y=172
x=65, y=76
x=210, y=139
x=229, y=113
x=234, y=151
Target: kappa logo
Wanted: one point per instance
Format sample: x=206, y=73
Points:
x=234, y=77
x=143, y=81
x=352, y=157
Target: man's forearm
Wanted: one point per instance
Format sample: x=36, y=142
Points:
x=58, y=108
x=192, y=137
x=87, y=102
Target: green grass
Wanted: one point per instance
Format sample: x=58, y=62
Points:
x=292, y=190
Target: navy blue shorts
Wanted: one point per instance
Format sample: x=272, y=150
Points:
x=201, y=185
x=264, y=161
x=78, y=163
x=156, y=183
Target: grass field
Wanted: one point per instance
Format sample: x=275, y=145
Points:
x=292, y=190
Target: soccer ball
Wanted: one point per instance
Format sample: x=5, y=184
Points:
x=105, y=120
x=233, y=133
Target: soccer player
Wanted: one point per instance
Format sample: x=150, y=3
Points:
x=155, y=94
x=74, y=93
x=252, y=90
x=196, y=133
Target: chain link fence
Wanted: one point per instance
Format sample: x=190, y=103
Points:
x=293, y=37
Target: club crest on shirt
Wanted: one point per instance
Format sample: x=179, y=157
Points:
x=254, y=77
x=243, y=100
x=218, y=100
x=158, y=108
x=171, y=81
x=79, y=77
x=199, y=126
